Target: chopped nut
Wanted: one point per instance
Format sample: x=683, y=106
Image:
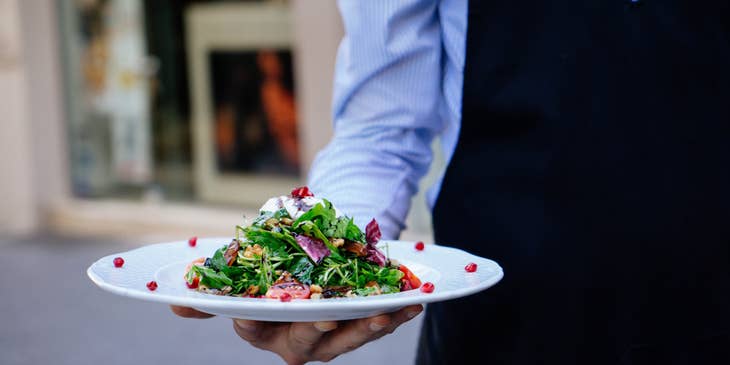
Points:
x=394, y=262
x=286, y=221
x=316, y=296
x=314, y=288
x=338, y=242
x=350, y=294
x=253, y=250
x=258, y=250
x=226, y=289
x=285, y=278
x=252, y=290
x=271, y=222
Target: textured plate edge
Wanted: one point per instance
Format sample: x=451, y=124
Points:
x=297, y=305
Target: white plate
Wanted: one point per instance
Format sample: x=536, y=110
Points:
x=165, y=263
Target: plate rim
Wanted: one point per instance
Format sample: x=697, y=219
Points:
x=255, y=304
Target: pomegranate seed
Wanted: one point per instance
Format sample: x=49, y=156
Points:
x=301, y=192
x=470, y=267
x=286, y=297
x=427, y=287
x=193, y=241
x=194, y=284
x=118, y=262
x=420, y=246
x=152, y=285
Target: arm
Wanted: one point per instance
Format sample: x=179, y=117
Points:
x=387, y=88
x=387, y=91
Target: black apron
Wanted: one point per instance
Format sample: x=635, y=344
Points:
x=593, y=164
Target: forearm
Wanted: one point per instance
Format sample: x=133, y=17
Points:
x=387, y=94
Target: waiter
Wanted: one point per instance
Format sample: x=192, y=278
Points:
x=589, y=152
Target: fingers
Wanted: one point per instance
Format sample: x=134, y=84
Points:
x=304, y=336
x=251, y=331
x=358, y=332
x=297, y=343
x=352, y=335
x=398, y=318
x=187, y=312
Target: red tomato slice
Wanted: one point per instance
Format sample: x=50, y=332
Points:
x=297, y=291
x=409, y=277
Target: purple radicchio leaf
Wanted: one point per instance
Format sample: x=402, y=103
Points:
x=315, y=249
x=374, y=255
x=372, y=232
x=372, y=236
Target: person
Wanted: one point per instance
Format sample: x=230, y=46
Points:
x=588, y=146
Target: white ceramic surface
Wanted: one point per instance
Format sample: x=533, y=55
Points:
x=165, y=263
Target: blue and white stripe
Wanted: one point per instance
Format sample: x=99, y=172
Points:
x=398, y=84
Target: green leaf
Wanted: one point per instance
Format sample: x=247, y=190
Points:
x=365, y=291
x=276, y=242
x=211, y=278
x=218, y=261
x=389, y=276
x=388, y=289
x=353, y=232
x=338, y=228
x=321, y=214
x=302, y=269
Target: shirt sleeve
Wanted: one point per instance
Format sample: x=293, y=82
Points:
x=387, y=92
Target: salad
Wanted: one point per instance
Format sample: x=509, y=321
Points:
x=301, y=247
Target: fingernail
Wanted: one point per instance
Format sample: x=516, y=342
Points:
x=325, y=326
x=376, y=327
x=247, y=326
x=412, y=314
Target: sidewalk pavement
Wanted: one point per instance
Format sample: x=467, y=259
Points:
x=51, y=313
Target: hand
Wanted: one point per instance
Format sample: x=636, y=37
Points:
x=300, y=342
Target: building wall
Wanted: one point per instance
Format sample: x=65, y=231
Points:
x=32, y=158
x=17, y=201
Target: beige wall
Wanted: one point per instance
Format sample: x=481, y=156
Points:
x=45, y=100
x=317, y=34
x=31, y=156
x=17, y=213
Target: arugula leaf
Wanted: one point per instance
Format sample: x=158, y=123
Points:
x=389, y=276
x=276, y=242
x=353, y=232
x=322, y=214
x=302, y=269
x=218, y=261
x=338, y=228
x=211, y=278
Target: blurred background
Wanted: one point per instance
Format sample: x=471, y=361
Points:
x=130, y=122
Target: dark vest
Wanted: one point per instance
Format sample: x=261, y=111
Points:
x=594, y=165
